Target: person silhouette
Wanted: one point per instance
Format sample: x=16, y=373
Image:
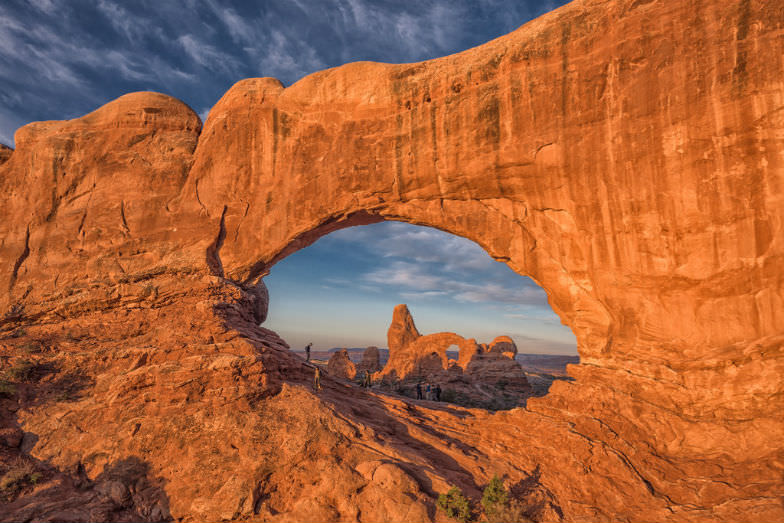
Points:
x=307, y=351
x=317, y=379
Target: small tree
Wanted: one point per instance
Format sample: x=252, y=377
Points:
x=498, y=506
x=495, y=497
x=455, y=505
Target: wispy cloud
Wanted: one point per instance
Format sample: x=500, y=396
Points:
x=240, y=29
x=46, y=6
x=131, y=26
x=429, y=280
x=65, y=59
x=422, y=244
x=208, y=56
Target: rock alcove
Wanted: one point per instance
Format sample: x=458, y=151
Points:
x=626, y=155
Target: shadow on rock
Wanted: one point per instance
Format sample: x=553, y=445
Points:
x=540, y=502
x=124, y=491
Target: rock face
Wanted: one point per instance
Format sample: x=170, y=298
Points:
x=503, y=345
x=625, y=154
x=370, y=361
x=402, y=331
x=5, y=153
x=341, y=366
x=416, y=357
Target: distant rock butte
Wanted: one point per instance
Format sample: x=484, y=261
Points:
x=413, y=356
x=341, y=366
x=627, y=155
x=371, y=361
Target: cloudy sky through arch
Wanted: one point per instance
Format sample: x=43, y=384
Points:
x=60, y=59
x=340, y=291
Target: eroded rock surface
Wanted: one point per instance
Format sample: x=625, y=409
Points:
x=416, y=358
x=627, y=155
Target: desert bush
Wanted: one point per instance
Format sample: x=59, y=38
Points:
x=455, y=505
x=21, y=474
x=448, y=395
x=23, y=370
x=31, y=347
x=512, y=512
x=7, y=389
x=494, y=495
x=499, y=507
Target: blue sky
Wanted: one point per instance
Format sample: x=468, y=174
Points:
x=60, y=59
x=340, y=291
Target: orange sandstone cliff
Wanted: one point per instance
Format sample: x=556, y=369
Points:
x=625, y=154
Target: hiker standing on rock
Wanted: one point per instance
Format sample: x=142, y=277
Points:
x=317, y=380
x=307, y=351
x=428, y=392
x=419, y=390
x=438, y=392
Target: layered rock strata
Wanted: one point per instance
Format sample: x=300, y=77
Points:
x=625, y=154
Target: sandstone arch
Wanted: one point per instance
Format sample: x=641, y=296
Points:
x=626, y=155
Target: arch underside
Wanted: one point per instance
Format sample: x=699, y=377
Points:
x=633, y=169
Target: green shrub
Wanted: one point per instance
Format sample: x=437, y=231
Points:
x=21, y=474
x=7, y=389
x=22, y=371
x=455, y=505
x=448, y=395
x=513, y=512
x=31, y=347
x=498, y=506
x=494, y=496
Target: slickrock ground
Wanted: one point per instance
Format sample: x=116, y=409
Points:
x=626, y=154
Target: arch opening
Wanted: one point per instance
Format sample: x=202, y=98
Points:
x=481, y=332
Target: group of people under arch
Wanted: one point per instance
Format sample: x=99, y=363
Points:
x=424, y=390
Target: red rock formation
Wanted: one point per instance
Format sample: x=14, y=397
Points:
x=503, y=345
x=341, y=366
x=425, y=357
x=5, y=153
x=625, y=154
x=402, y=331
x=370, y=361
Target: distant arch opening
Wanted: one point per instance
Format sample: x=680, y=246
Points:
x=340, y=293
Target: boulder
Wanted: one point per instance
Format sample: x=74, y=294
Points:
x=370, y=361
x=341, y=366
